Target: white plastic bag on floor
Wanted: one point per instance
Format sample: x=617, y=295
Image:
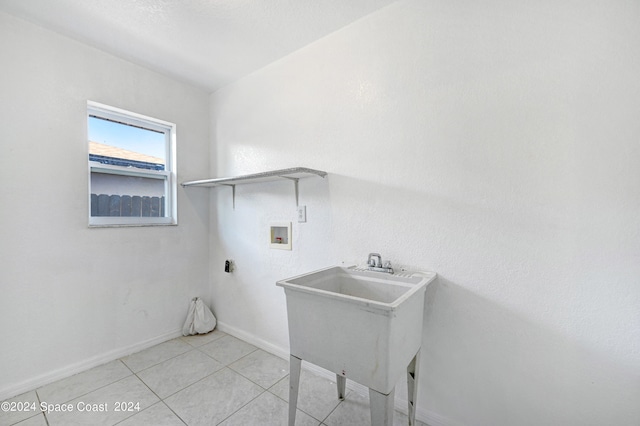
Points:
x=200, y=319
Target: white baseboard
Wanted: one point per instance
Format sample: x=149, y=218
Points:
x=425, y=416
x=32, y=383
x=254, y=340
x=432, y=419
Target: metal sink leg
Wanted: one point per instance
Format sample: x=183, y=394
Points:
x=294, y=383
x=412, y=387
x=381, y=407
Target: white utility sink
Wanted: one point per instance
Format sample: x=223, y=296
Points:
x=361, y=325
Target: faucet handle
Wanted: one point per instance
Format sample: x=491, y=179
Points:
x=373, y=262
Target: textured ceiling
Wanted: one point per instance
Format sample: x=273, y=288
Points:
x=206, y=42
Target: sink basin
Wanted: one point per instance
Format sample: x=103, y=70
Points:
x=361, y=325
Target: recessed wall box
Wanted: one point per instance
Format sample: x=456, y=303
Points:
x=280, y=235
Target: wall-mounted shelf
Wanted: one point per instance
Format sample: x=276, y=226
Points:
x=292, y=174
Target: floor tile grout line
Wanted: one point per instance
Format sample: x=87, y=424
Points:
x=143, y=382
x=36, y=413
x=246, y=355
x=300, y=409
x=189, y=385
x=126, y=366
x=155, y=365
x=176, y=414
x=91, y=391
x=158, y=363
x=228, y=366
x=210, y=356
x=231, y=362
x=44, y=414
x=244, y=405
x=248, y=378
x=334, y=409
x=287, y=402
x=263, y=390
x=199, y=380
x=192, y=347
x=123, y=378
x=148, y=387
x=148, y=408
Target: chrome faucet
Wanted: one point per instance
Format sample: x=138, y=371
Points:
x=372, y=260
x=374, y=263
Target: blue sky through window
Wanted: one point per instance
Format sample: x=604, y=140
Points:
x=127, y=137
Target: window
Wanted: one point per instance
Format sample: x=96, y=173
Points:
x=131, y=168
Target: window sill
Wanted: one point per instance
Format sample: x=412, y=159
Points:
x=109, y=222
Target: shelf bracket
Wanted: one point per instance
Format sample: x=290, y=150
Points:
x=233, y=194
x=295, y=186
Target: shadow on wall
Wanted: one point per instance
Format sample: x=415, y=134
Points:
x=483, y=364
x=195, y=197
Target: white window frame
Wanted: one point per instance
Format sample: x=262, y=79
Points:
x=168, y=175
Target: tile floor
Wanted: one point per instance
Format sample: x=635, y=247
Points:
x=212, y=379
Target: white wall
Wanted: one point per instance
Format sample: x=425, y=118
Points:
x=495, y=143
x=73, y=297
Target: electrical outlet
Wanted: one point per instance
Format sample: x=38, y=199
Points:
x=302, y=214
